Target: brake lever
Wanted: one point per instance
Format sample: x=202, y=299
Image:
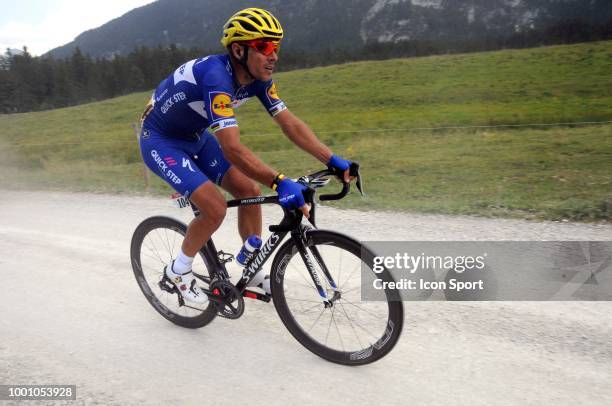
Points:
x=309, y=198
x=354, y=171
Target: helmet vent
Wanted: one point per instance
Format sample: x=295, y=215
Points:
x=272, y=34
x=248, y=26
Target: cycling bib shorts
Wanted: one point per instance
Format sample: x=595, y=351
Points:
x=184, y=164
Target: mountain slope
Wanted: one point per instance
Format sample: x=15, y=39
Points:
x=313, y=25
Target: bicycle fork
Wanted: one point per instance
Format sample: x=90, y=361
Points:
x=327, y=301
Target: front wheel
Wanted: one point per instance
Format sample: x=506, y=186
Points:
x=351, y=331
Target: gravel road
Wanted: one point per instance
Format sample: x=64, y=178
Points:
x=72, y=313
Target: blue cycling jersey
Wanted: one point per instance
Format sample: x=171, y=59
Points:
x=203, y=93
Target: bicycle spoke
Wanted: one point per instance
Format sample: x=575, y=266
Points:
x=344, y=292
x=351, y=274
x=155, y=251
x=305, y=311
x=331, y=317
x=153, y=258
x=167, y=242
x=173, y=244
x=360, y=308
x=337, y=329
x=351, y=324
x=303, y=300
x=310, y=283
x=317, y=319
x=340, y=270
x=302, y=284
x=366, y=330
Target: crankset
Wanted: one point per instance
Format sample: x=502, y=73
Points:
x=227, y=299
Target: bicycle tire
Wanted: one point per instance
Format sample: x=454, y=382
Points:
x=157, y=225
x=322, y=239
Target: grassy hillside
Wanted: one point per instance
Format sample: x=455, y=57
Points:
x=368, y=111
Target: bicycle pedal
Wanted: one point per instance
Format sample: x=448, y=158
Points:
x=167, y=286
x=256, y=295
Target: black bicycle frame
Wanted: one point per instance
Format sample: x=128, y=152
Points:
x=291, y=223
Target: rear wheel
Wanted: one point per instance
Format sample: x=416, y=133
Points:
x=156, y=241
x=352, y=331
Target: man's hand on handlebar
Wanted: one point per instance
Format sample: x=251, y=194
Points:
x=341, y=168
x=290, y=195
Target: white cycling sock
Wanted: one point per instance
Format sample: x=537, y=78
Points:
x=182, y=264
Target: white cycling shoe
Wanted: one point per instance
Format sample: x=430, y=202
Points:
x=187, y=286
x=261, y=281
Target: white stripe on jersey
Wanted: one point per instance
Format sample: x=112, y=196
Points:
x=185, y=72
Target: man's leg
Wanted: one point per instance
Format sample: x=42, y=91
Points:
x=240, y=186
x=212, y=207
x=171, y=160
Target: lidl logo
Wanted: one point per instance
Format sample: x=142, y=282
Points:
x=222, y=105
x=273, y=93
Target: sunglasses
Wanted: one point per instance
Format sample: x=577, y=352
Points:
x=263, y=47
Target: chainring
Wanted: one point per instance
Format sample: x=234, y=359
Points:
x=227, y=299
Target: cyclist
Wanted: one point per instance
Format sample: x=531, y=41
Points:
x=197, y=101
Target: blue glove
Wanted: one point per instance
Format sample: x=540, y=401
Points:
x=338, y=163
x=290, y=194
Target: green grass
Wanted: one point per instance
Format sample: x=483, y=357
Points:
x=536, y=172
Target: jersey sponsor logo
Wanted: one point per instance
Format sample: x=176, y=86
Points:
x=273, y=93
x=159, y=161
x=221, y=104
x=231, y=122
x=253, y=200
x=170, y=161
x=161, y=96
x=187, y=164
x=241, y=97
x=274, y=110
x=214, y=163
x=163, y=166
x=172, y=100
x=263, y=254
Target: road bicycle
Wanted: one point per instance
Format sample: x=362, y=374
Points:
x=316, y=280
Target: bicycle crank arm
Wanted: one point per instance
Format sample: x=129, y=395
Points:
x=256, y=295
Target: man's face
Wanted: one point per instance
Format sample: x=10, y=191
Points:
x=260, y=65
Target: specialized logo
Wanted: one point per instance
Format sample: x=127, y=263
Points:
x=263, y=254
x=187, y=164
x=273, y=93
x=253, y=200
x=221, y=105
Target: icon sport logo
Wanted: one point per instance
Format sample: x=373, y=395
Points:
x=221, y=105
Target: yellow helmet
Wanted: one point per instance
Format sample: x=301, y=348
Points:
x=251, y=23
